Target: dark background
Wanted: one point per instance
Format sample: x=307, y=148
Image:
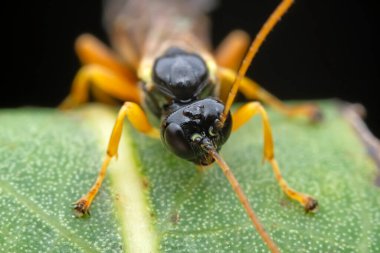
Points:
x=321, y=49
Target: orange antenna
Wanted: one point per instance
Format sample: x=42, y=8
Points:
x=244, y=201
x=252, y=51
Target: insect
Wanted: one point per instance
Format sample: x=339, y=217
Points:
x=163, y=63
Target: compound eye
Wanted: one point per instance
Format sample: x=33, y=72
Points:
x=176, y=141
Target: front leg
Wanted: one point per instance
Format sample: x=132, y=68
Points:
x=138, y=119
x=239, y=118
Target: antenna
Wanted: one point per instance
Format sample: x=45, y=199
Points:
x=252, y=51
x=244, y=201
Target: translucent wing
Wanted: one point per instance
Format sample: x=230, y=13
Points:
x=136, y=27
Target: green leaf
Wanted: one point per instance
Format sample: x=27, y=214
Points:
x=152, y=201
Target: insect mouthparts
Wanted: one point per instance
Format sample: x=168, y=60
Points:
x=207, y=145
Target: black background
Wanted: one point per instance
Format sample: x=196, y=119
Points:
x=321, y=49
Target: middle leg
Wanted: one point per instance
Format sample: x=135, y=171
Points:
x=229, y=54
x=253, y=91
x=106, y=80
x=241, y=116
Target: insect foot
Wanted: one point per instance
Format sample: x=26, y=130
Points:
x=81, y=207
x=311, y=205
x=316, y=115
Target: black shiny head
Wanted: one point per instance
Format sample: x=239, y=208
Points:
x=194, y=128
x=180, y=75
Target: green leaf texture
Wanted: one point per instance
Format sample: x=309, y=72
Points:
x=152, y=201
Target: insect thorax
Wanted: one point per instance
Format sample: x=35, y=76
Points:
x=178, y=77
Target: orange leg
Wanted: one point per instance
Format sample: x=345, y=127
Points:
x=90, y=50
x=103, y=97
x=112, y=83
x=138, y=119
x=232, y=49
x=241, y=116
x=273, y=19
x=254, y=91
x=110, y=76
x=229, y=54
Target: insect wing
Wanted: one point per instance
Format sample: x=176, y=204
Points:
x=137, y=27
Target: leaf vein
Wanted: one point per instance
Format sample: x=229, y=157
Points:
x=37, y=211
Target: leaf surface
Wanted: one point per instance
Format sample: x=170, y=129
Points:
x=152, y=201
